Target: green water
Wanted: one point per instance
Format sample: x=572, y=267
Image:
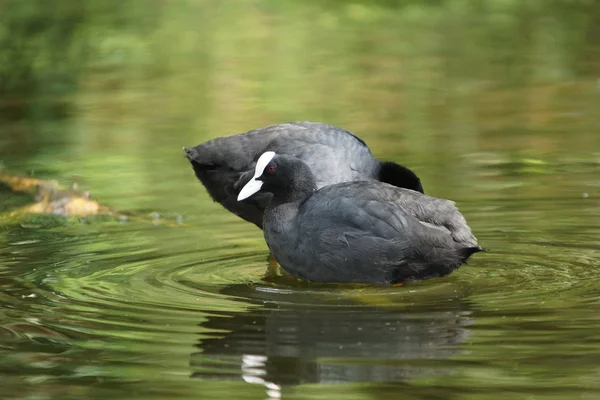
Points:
x=495, y=104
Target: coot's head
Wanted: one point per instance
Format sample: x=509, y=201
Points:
x=288, y=178
x=400, y=176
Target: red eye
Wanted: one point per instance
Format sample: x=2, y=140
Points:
x=270, y=169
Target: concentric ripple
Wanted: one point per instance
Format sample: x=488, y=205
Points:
x=109, y=305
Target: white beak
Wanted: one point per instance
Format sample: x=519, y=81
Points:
x=253, y=185
x=249, y=189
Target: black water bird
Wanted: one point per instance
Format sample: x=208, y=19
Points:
x=224, y=165
x=362, y=231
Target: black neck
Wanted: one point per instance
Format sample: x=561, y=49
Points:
x=296, y=191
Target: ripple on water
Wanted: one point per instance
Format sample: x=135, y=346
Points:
x=119, y=302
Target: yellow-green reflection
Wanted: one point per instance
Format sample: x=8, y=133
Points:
x=494, y=103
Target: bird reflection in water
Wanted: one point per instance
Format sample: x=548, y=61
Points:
x=253, y=370
x=279, y=344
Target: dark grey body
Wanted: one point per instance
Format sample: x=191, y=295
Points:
x=224, y=165
x=367, y=232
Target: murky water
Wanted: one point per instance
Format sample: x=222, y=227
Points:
x=494, y=104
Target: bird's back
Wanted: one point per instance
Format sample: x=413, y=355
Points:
x=371, y=231
x=334, y=155
x=225, y=164
x=379, y=204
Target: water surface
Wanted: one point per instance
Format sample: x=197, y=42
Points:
x=493, y=103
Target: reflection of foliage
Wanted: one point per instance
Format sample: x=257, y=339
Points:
x=35, y=46
x=426, y=79
x=429, y=80
x=44, y=46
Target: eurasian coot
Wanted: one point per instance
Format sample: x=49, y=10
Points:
x=362, y=231
x=224, y=165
